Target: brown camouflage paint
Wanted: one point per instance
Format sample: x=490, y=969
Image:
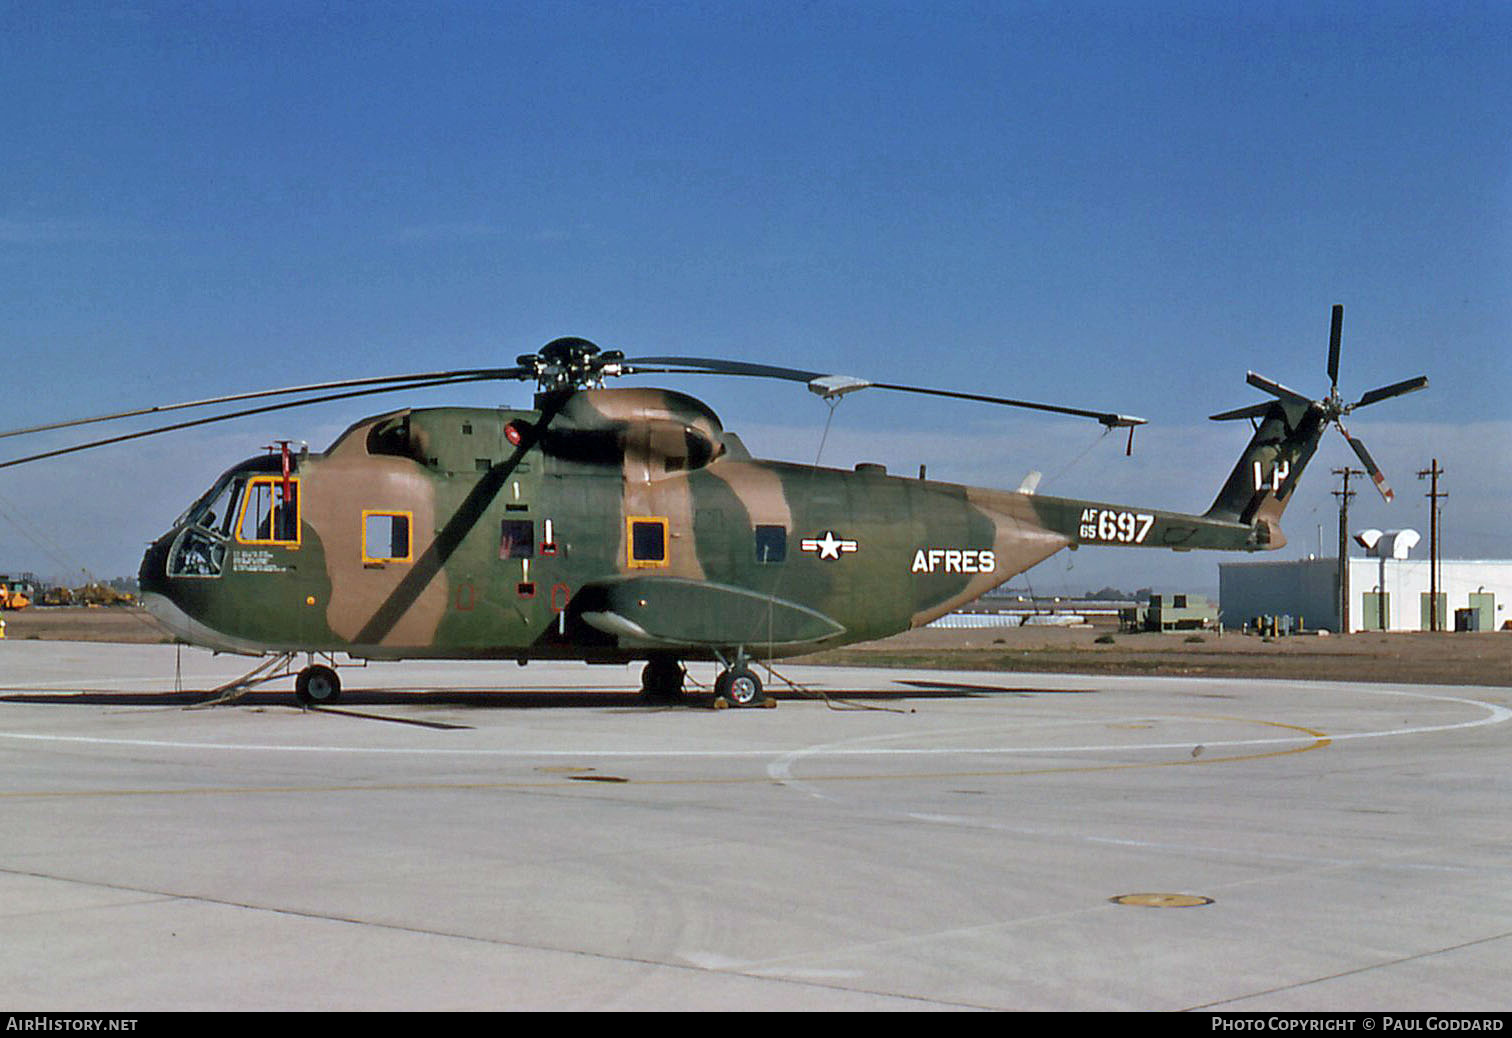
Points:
x=872, y=553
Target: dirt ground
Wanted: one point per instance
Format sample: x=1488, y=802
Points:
x=84, y=624
x=1449, y=659
x=1415, y=657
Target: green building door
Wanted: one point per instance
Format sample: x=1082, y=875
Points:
x=1484, y=603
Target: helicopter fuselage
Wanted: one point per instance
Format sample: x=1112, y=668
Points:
x=611, y=525
x=619, y=524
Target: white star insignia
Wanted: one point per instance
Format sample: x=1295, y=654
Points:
x=829, y=546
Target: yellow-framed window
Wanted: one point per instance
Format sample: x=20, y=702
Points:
x=387, y=536
x=647, y=539
x=265, y=517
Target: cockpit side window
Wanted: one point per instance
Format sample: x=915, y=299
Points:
x=266, y=517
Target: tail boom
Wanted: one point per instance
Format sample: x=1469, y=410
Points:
x=1246, y=516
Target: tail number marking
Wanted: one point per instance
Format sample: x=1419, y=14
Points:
x=1279, y=472
x=1115, y=527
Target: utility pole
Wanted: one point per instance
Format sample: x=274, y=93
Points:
x=1433, y=495
x=1344, y=496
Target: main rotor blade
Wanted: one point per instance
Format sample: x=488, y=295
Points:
x=1334, y=334
x=1252, y=411
x=1277, y=389
x=265, y=409
x=1111, y=419
x=714, y=366
x=833, y=385
x=396, y=381
x=1375, y=396
x=1370, y=465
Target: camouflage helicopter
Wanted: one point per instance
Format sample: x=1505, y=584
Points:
x=623, y=524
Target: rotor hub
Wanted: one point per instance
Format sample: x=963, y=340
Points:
x=1334, y=407
x=571, y=363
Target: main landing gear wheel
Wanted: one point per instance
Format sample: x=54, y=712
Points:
x=317, y=685
x=738, y=686
x=662, y=679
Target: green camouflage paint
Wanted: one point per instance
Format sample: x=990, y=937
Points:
x=627, y=524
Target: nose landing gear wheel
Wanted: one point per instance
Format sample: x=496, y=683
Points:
x=317, y=685
x=738, y=686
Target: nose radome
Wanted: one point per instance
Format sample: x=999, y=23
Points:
x=152, y=576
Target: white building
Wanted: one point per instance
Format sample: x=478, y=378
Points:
x=1384, y=594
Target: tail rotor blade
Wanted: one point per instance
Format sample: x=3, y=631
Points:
x=1334, y=335
x=1370, y=466
x=1410, y=385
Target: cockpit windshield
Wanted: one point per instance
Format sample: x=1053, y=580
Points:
x=218, y=512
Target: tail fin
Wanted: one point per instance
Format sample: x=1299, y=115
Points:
x=1260, y=486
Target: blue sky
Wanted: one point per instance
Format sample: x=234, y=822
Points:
x=1116, y=205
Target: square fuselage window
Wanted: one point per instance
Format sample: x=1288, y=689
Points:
x=648, y=541
x=517, y=539
x=386, y=537
x=771, y=543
